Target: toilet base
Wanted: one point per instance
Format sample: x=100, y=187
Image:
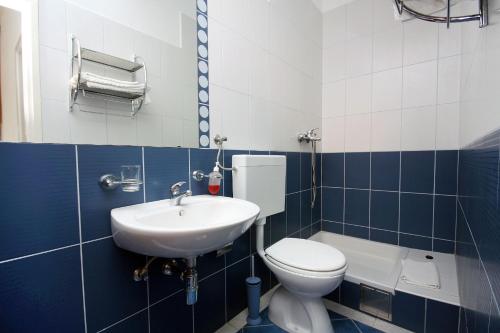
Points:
x=299, y=314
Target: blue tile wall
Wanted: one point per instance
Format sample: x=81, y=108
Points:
x=90, y=282
x=478, y=232
x=406, y=198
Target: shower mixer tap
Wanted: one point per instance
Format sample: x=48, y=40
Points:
x=311, y=137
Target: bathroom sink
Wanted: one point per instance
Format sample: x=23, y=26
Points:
x=199, y=225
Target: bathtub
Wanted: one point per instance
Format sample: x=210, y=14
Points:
x=371, y=263
x=379, y=265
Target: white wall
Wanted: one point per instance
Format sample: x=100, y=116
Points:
x=388, y=86
x=10, y=25
x=265, y=71
x=171, y=117
x=480, y=78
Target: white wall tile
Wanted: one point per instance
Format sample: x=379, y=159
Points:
x=448, y=80
x=54, y=74
x=418, y=129
x=388, y=49
x=55, y=121
x=359, y=18
x=359, y=53
x=450, y=40
x=420, y=84
x=359, y=93
x=386, y=131
x=150, y=129
x=420, y=41
x=387, y=89
x=121, y=130
x=261, y=127
x=333, y=135
x=52, y=24
x=334, y=62
x=447, y=126
x=87, y=128
x=334, y=99
x=334, y=26
x=86, y=26
x=357, y=133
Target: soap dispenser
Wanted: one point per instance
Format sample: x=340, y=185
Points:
x=214, y=179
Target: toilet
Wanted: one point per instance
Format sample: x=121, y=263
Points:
x=307, y=270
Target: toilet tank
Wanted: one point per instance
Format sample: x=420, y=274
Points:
x=261, y=179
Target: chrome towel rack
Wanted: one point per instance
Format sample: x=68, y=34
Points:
x=79, y=54
x=481, y=16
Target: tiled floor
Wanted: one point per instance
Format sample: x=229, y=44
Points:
x=341, y=324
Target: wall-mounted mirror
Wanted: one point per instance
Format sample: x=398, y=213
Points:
x=119, y=72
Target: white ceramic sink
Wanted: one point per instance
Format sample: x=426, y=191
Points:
x=201, y=224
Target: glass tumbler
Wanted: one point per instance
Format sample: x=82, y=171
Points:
x=131, y=178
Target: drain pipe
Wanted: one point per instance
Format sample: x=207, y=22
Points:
x=259, y=233
x=190, y=277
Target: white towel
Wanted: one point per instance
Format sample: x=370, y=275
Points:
x=106, y=83
x=420, y=273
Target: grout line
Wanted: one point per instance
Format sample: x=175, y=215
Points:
x=425, y=315
x=122, y=320
x=434, y=199
x=97, y=239
x=143, y=175
x=38, y=253
x=80, y=237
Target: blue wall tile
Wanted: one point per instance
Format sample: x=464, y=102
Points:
x=160, y=285
x=333, y=204
x=241, y=247
x=209, y=311
x=335, y=227
x=357, y=207
x=293, y=213
x=439, y=245
x=417, y=171
x=263, y=273
x=356, y=231
x=209, y=263
x=172, y=315
x=305, y=171
x=42, y=293
x=163, y=168
x=441, y=317
x=385, y=171
x=416, y=214
x=236, y=296
x=278, y=227
x=305, y=209
x=384, y=210
x=110, y=292
x=316, y=211
x=135, y=324
x=408, y=311
x=446, y=171
x=333, y=169
x=292, y=172
x=39, y=199
x=444, y=217
x=204, y=160
x=315, y=227
x=416, y=242
x=357, y=170
x=383, y=236
x=96, y=203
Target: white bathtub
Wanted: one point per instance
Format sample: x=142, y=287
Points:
x=372, y=263
x=379, y=265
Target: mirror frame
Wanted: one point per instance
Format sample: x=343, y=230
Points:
x=203, y=77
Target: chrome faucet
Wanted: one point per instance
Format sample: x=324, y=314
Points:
x=177, y=195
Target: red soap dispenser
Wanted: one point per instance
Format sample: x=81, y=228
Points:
x=214, y=179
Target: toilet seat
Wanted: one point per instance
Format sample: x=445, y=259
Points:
x=306, y=257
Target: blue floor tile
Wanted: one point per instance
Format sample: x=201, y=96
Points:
x=341, y=324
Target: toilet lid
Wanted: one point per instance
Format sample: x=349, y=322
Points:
x=307, y=255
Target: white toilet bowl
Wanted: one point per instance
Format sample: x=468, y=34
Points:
x=307, y=270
